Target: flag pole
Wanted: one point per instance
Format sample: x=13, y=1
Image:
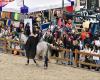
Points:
x=62, y=4
x=62, y=9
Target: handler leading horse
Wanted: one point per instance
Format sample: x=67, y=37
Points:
x=34, y=48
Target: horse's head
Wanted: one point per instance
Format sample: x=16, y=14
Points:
x=23, y=37
x=42, y=38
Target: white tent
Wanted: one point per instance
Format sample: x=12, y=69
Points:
x=38, y=5
x=12, y=7
x=34, y=5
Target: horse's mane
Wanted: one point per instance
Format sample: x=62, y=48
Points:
x=43, y=37
x=23, y=37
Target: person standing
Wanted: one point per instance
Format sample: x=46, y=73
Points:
x=27, y=29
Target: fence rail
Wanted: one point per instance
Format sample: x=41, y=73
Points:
x=76, y=52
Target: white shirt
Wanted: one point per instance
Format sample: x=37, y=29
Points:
x=17, y=47
x=97, y=43
x=95, y=57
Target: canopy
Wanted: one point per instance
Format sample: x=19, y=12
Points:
x=38, y=5
x=12, y=7
x=34, y=5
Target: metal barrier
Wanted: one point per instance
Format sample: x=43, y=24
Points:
x=76, y=52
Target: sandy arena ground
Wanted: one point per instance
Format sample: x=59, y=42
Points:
x=14, y=68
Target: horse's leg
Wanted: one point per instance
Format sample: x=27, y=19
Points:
x=28, y=56
x=35, y=62
x=45, y=62
x=27, y=61
x=34, y=59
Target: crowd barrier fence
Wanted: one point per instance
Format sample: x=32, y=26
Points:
x=76, y=52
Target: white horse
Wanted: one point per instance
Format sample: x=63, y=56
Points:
x=42, y=48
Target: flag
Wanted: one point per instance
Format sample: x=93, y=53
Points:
x=72, y=2
x=8, y=15
x=24, y=9
x=69, y=8
x=8, y=23
x=3, y=15
x=16, y=16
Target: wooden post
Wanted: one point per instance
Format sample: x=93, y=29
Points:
x=50, y=14
x=62, y=8
x=5, y=43
x=76, y=57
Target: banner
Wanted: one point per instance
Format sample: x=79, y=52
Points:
x=8, y=23
x=3, y=15
x=8, y=15
x=45, y=26
x=16, y=23
x=12, y=15
x=29, y=21
x=16, y=16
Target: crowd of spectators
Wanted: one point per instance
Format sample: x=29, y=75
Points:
x=61, y=33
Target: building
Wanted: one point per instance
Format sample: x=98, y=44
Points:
x=92, y=4
x=88, y=4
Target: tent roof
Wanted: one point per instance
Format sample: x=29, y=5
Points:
x=35, y=5
x=38, y=5
x=12, y=7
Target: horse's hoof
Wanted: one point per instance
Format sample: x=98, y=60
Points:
x=49, y=61
x=26, y=64
x=45, y=68
x=37, y=65
x=56, y=62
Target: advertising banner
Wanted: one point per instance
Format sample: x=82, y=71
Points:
x=28, y=21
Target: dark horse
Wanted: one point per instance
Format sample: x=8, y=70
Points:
x=30, y=48
x=34, y=47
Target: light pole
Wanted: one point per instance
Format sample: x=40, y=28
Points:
x=63, y=11
x=62, y=8
x=23, y=3
x=62, y=4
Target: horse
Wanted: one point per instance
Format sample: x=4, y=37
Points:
x=42, y=49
